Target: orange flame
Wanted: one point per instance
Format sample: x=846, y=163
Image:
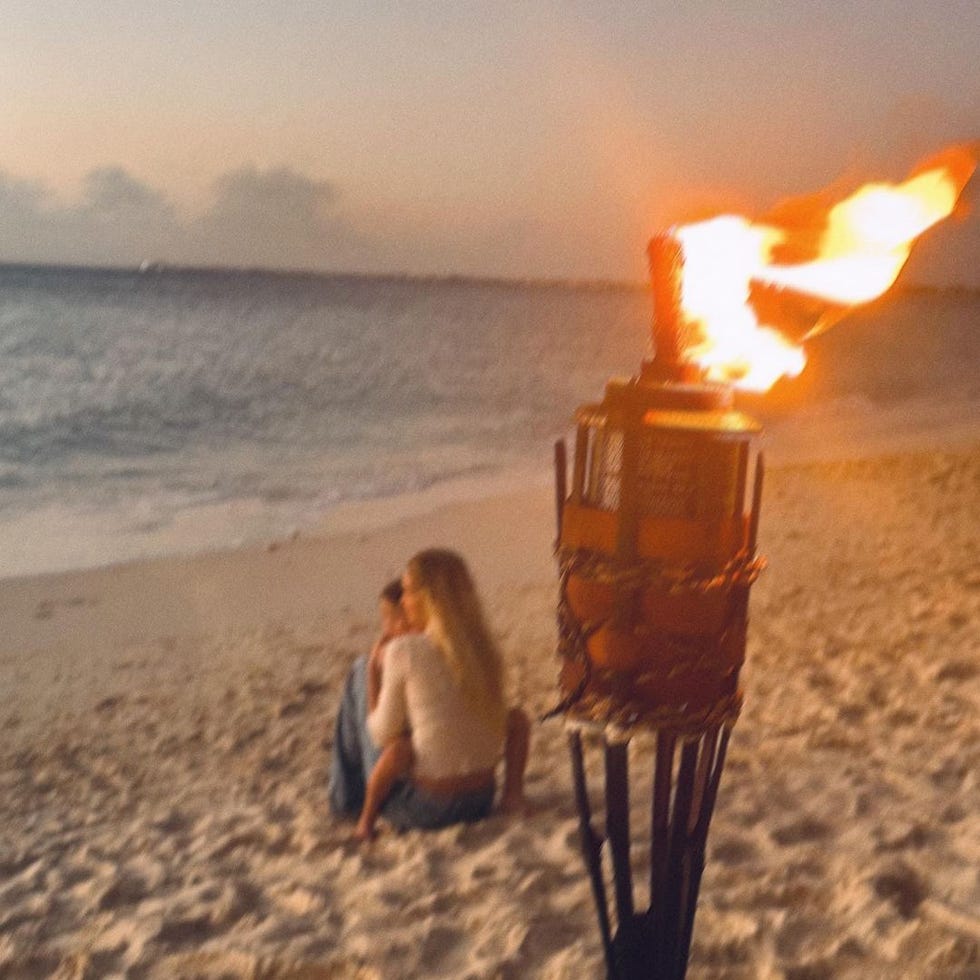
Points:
x=737, y=275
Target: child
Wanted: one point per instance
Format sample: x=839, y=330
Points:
x=396, y=756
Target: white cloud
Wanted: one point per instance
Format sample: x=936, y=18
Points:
x=275, y=218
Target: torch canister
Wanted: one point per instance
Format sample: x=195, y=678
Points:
x=655, y=552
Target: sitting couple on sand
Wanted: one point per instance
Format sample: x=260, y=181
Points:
x=423, y=722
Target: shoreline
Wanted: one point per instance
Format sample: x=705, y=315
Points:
x=180, y=541
x=808, y=435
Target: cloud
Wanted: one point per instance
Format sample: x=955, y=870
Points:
x=116, y=221
x=18, y=197
x=22, y=217
x=275, y=219
x=111, y=191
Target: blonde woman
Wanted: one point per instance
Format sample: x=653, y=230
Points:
x=435, y=706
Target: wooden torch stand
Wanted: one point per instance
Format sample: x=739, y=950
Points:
x=651, y=943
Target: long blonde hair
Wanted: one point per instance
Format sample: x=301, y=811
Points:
x=455, y=623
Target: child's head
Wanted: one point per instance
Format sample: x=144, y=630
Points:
x=393, y=621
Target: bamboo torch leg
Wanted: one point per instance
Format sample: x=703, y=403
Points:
x=591, y=844
x=660, y=834
x=702, y=778
x=678, y=870
x=618, y=826
x=760, y=470
x=561, y=483
x=699, y=840
x=631, y=951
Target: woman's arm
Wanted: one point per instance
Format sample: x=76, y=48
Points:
x=374, y=671
x=389, y=717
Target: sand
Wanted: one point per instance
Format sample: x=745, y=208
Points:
x=165, y=729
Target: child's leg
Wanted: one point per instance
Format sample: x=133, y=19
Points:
x=395, y=761
x=516, y=750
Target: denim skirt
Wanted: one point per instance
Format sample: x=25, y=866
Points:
x=409, y=805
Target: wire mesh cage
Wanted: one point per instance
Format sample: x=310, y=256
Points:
x=653, y=551
x=678, y=473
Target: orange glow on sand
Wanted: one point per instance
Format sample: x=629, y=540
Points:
x=828, y=258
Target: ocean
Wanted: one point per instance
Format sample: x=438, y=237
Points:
x=173, y=410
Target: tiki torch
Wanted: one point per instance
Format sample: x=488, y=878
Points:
x=656, y=552
x=657, y=531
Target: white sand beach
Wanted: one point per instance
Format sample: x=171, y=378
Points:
x=165, y=728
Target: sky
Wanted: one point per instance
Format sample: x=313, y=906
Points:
x=516, y=139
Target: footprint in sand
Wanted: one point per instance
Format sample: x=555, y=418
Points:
x=481, y=872
x=223, y=965
x=949, y=774
x=852, y=714
x=251, y=840
x=109, y=704
x=46, y=608
x=902, y=886
x=173, y=821
x=33, y=966
x=442, y=948
x=800, y=832
x=289, y=709
x=953, y=813
x=795, y=935
x=127, y=889
x=733, y=850
x=185, y=930
x=816, y=970
x=900, y=835
x=957, y=671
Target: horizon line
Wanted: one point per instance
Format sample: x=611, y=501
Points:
x=158, y=268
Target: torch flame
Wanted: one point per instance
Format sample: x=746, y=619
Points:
x=842, y=256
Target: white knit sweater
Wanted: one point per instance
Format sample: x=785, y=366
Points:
x=419, y=695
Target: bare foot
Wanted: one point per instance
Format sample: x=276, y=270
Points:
x=515, y=805
x=365, y=832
